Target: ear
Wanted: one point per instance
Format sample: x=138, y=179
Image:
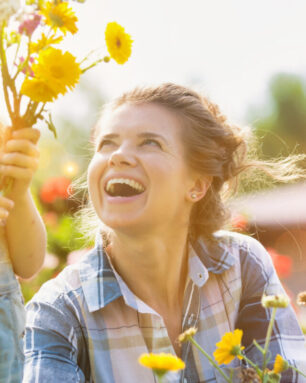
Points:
x=199, y=188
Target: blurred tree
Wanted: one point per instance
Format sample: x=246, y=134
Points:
x=281, y=123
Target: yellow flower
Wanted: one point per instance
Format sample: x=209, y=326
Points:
x=60, y=16
x=277, y=301
x=59, y=70
x=119, y=43
x=186, y=335
x=44, y=42
x=229, y=347
x=280, y=364
x=37, y=90
x=161, y=363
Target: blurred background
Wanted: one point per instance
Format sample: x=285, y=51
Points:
x=248, y=57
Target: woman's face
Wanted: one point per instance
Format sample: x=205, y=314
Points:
x=138, y=179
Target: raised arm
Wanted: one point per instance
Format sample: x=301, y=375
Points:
x=24, y=228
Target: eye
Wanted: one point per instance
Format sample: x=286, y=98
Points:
x=151, y=141
x=104, y=142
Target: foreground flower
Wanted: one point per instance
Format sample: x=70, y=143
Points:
x=229, y=347
x=8, y=8
x=301, y=299
x=119, y=43
x=280, y=364
x=277, y=301
x=161, y=363
x=58, y=15
x=186, y=335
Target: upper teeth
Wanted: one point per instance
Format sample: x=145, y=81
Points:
x=132, y=183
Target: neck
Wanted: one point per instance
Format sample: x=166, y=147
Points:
x=154, y=267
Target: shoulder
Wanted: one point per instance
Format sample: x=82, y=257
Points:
x=249, y=249
x=251, y=256
x=65, y=289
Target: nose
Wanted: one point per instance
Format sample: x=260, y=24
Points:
x=122, y=156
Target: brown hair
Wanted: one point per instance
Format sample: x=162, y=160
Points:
x=214, y=148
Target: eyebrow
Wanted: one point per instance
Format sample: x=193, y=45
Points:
x=142, y=135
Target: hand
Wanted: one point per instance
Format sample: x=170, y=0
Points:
x=19, y=160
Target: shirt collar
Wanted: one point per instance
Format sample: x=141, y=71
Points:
x=101, y=284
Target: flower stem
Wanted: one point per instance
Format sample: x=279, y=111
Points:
x=5, y=74
x=268, y=338
x=298, y=371
x=210, y=359
x=257, y=369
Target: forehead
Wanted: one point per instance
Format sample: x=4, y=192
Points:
x=134, y=119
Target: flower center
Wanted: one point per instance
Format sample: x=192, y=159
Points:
x=118, y=42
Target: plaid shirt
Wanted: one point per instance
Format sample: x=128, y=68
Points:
x=87, y=326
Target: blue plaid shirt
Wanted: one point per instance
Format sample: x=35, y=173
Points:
x=87, y=326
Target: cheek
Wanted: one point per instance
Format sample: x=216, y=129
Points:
x=94, y=174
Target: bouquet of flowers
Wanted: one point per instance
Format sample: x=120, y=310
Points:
x=230, y=348
x=34, y=70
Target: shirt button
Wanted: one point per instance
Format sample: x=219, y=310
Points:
x=200, y=275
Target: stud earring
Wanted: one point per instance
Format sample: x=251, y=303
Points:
x=193, y=195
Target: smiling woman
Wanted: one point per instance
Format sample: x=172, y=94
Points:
x=162, y=159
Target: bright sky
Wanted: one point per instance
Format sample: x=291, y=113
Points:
x=229, y=48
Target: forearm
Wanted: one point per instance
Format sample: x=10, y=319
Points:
x=26, y=237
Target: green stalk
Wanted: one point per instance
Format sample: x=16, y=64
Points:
x=256, y=368
x=92, y=65
x=210, y=359
x=298, y=371
x=268, y=338
x=5, y=74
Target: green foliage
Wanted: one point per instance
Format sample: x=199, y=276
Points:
x=282, y=128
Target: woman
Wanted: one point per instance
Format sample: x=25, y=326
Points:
x=162, y=158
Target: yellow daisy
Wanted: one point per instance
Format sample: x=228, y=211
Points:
x=161, y=363
x=280, y=364
x=59, y=70
x=119, y=43
x=60, y=16
x=229, y=347
x=37, y=90
x=44, y=42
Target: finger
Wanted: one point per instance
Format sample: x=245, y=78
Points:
x=18, y=159
x=31, y=134
x=6, y=203
x=16, y=172
x=22, y=146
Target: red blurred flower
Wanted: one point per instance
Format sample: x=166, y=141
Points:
x=50, y=218
x=239, y=222
x=282, y=263
x=58, y=187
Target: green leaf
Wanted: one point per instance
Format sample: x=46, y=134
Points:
x=51, y=125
